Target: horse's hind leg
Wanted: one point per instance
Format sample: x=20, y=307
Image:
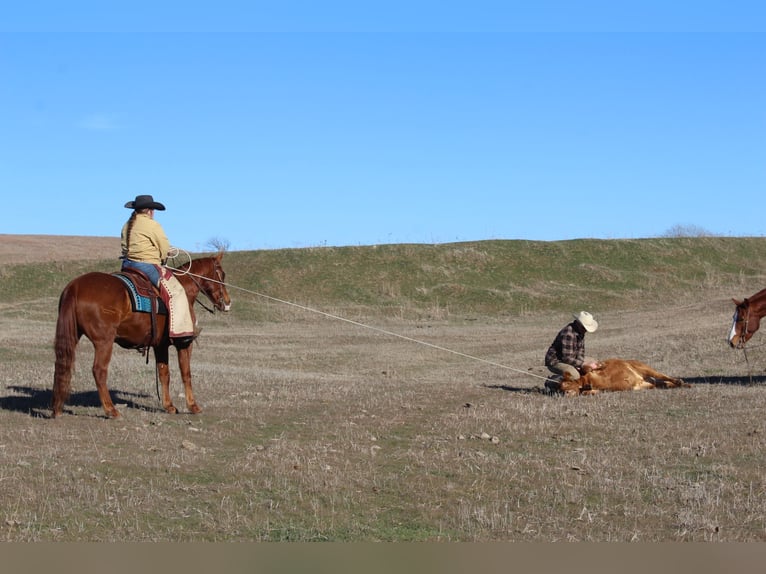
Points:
x=102, y=356
x=62, y=379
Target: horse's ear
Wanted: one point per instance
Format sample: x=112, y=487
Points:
x=220, y=255
x=737, y=303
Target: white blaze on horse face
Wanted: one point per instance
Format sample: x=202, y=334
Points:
x=733, y=331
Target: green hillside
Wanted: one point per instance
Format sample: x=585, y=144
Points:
x=458, y=279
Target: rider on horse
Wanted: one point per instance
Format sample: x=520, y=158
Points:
x=145, y=248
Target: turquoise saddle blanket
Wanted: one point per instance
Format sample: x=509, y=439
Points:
x=140, y=302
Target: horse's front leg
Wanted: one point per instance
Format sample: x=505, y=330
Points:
x=184, y=364
x=163, y=372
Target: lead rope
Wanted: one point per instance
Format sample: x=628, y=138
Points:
x=157, y=382
x=744, y=349
x=747, y=362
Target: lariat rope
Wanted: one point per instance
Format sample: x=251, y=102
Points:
x=362, y=325
x=378, y=329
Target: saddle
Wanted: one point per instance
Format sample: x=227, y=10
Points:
x=144, y=298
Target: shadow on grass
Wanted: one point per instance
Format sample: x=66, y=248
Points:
x=37, y=402
x=726, y=380
x=521, y=390
x=745, y=381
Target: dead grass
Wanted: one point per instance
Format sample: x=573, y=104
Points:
x=316, y=430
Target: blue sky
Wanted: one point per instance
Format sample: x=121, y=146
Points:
x=354, y=123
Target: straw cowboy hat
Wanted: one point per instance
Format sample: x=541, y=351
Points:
x=587, y=321
x=145, y=202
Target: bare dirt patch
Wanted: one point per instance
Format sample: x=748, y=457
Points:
x=41, y=248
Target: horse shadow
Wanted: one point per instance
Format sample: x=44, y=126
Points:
x=37, y=402
x=742, y=380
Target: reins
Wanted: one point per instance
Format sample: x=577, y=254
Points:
x=196, y=299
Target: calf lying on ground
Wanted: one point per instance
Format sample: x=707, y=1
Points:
x=616, y=375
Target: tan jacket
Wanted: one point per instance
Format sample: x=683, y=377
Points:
x=148, y=242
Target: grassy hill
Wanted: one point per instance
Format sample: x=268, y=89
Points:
x=311, y=427
x=504, y=277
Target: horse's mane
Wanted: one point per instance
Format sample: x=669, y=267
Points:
x=203, y=259
x=757, y=297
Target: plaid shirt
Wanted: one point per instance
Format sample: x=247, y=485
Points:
x=568, y=347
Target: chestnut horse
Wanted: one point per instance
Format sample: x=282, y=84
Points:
x=98, y=306
x=747, y=318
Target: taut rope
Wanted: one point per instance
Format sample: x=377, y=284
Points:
x=369, y=327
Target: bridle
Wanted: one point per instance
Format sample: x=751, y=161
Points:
x=745, y=330
x=743, y=334
x=200, y=289
x=743, y=339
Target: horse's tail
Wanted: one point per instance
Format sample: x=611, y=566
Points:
x=66, y=342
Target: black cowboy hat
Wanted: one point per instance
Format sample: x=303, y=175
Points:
x=145, y=202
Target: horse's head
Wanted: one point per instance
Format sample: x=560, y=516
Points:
x=211, y=280
x=744, y=324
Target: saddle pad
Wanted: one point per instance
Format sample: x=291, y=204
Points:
x=140, y=303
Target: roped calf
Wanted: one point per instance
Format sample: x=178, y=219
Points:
x=617, y=375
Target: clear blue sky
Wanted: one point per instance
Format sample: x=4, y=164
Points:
x=298, y=124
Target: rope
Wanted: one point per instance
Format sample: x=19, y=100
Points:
x=387, y=332
x=363, y=325
x=176, y=252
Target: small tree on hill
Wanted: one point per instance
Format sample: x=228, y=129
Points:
x=218, y=244
x=687, y=231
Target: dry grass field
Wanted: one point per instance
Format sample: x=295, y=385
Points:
x=42, y=248
x=422, y=428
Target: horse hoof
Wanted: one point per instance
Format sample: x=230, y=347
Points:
x=171, y=410
x=195, y=409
